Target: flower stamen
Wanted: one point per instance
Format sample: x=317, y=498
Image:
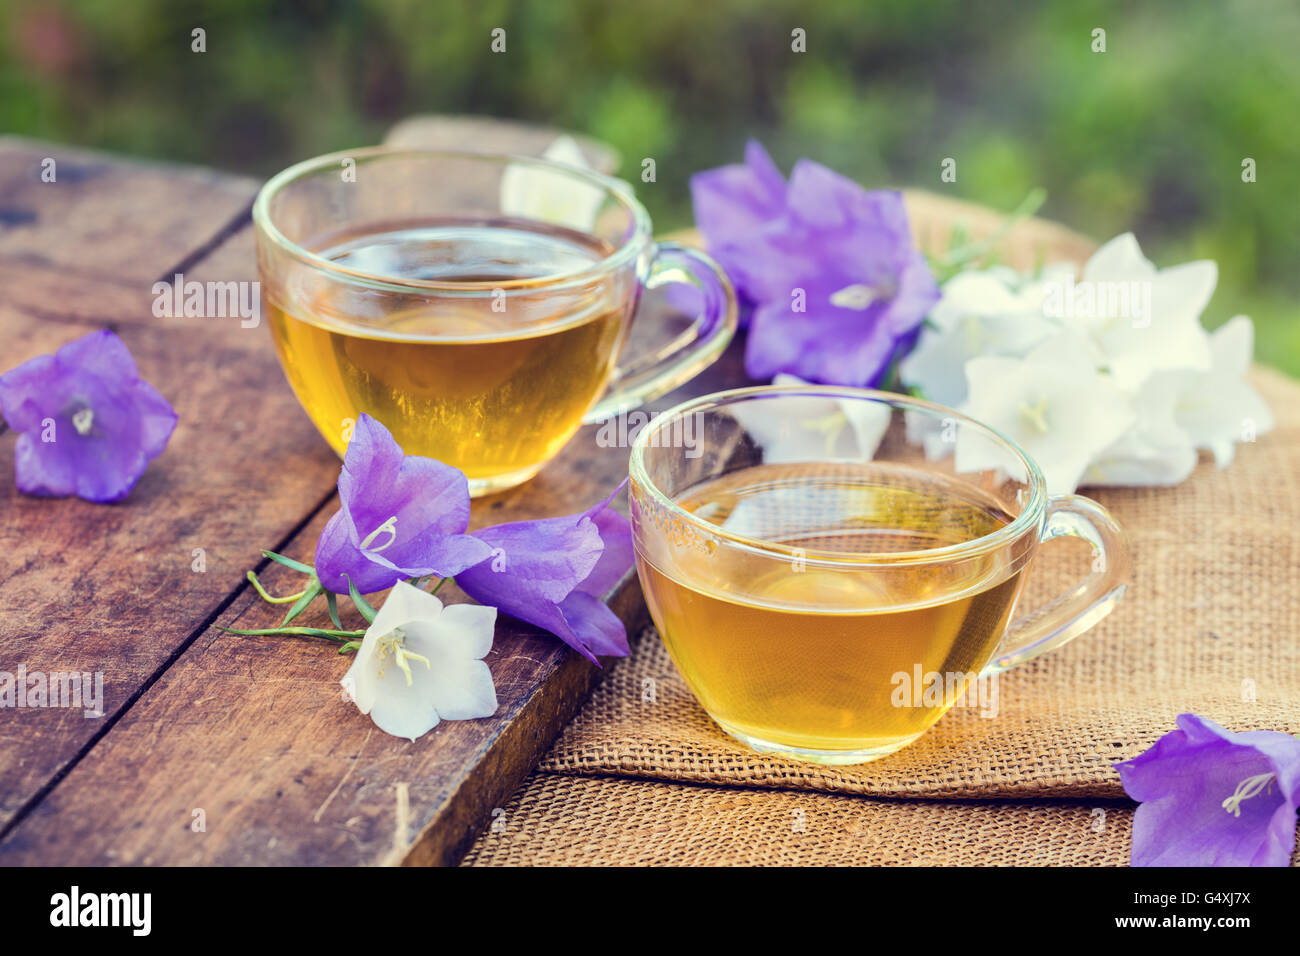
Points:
x=389, y=527
x=1250, y=787
x=857, y=297
x=82, y=419
x=1036, y=414
x=402, y=656
x=392, y=646
x=830, y=427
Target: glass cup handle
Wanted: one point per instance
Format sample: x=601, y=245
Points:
x=1069, y=615
x=689, y=353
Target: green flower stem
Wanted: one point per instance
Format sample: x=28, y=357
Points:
x=348, y=640
x=439, y=584
x=962, y=252
x=340, y=637
x=269, y=598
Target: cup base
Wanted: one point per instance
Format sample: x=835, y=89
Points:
x=478, y=487
x=834, y=758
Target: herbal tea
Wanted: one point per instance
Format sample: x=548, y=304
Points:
x=491, y=384
x=813, y=658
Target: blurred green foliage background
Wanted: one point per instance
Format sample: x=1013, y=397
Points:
x=1148, y=136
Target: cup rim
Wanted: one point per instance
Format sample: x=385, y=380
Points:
x=622, y=191
x=1030, y=515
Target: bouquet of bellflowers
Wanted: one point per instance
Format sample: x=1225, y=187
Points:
x=1104, y=374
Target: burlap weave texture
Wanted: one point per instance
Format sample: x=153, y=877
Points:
x=557, y=819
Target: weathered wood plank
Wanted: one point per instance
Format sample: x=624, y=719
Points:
x=110, y=589
x=102, y=217
x=90, y=245
x=256, y=733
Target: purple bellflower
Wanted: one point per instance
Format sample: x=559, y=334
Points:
x=734, y=207
x=401, y=516
x=1210, y=797
x=88, y=424
x=554, y=573
x=839, y=289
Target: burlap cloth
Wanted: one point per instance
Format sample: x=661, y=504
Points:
x=1210, y=624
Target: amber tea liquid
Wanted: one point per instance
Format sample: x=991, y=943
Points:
x=491, y=384
x=785, y=653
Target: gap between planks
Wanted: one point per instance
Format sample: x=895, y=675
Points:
x=112, y=720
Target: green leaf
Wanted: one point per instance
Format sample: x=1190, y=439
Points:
x=361, y=603
x=290, y=562
x=309, y=595
x=331, y=600
x=349, y=647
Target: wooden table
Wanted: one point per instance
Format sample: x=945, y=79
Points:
x=214, y=748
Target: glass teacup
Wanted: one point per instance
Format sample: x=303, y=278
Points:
x=831, y=569
x=476, y=304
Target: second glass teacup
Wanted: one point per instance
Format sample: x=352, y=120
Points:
x=475, y=304
x=831, y=569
